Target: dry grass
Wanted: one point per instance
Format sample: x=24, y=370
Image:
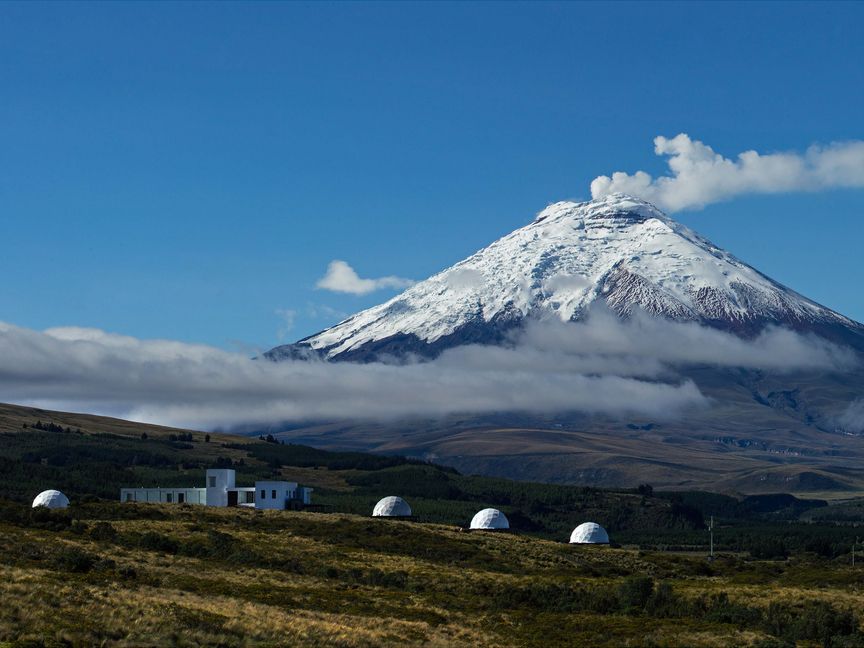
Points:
x=86, y=614
x=339, y=580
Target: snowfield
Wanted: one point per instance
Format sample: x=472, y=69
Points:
x=618, y=250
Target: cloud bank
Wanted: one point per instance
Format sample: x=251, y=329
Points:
x=699, y=176
x=341, y=277
x=603, y=366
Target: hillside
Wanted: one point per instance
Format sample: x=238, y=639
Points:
x=763, y=434
x=90, y=457
x=123, y=575
x=114, y=574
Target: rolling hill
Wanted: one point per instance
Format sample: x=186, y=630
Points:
x=115, y=574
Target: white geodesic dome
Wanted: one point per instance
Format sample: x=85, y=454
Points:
x=589, y=533
x=490, y=519
x=392, y=507
x=51, y=499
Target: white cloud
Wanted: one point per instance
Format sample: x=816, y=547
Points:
x=197, y=386
x=323, y=311
x=341, y=277
x=602, y=366
x=464, y=279
x=700, y=176
x=566, y=283
x=288, y=317
x=852, y=419
x=659, y=342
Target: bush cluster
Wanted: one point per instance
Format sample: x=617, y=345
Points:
x=641, y=596
x=73, y=560
x=53, y=427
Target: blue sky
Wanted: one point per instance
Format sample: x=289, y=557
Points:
x=187, y=171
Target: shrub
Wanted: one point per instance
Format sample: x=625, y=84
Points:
x=127, y=573
x=50, y=519
x=646, y=490
x=664, y=602
x=817, y=621
x=158, y=542
x=768, y=548
x=14, y=513
x=103, y=532
x=73, y=560
x=822, y=622
x=78, y=527
x=722, y=610
x=634, y=593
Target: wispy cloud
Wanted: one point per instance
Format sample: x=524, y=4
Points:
x=602, y=366
x=325, y=312
x=852, y=418
x=287, y=317
x=699, y=176
x=341, y=277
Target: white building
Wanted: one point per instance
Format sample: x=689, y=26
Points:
x=392, y=507
x=221, y=490
x=490, y=519
x=589, y=533
x=52, y=499
x=164, y=495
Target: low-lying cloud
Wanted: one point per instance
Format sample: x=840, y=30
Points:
x=852, y=419
x=341, y=277
x=603, y=366
x=660, y=342
x=699, y=176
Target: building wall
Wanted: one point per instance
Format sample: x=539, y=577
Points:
x=164, y=495
x=274, y=494
x=219, y=480
x=245, y=496
x=305, y=495
x=277, y=495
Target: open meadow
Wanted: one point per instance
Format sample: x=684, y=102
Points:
x=138, y=575
x=117, y=574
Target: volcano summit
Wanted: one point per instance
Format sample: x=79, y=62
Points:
x=617, y=250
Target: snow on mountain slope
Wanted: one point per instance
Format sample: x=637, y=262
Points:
x=617, y=249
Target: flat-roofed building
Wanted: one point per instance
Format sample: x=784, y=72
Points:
x=221, y=490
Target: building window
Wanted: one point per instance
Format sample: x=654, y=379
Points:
x=273, y=493
x=128, y=497
x=181, y=497
x=212, y=482
x=168, y=497
x=263, y=494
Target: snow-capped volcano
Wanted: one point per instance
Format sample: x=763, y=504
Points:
x=617, y=250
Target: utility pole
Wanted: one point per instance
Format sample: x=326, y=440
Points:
x=711, y=535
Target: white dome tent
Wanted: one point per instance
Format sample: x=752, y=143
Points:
x=392, y=507
x=589, y=533
x=490, y=519
x=51, y=499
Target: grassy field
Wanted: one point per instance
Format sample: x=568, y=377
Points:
x=105, y=573
x=150, y=575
